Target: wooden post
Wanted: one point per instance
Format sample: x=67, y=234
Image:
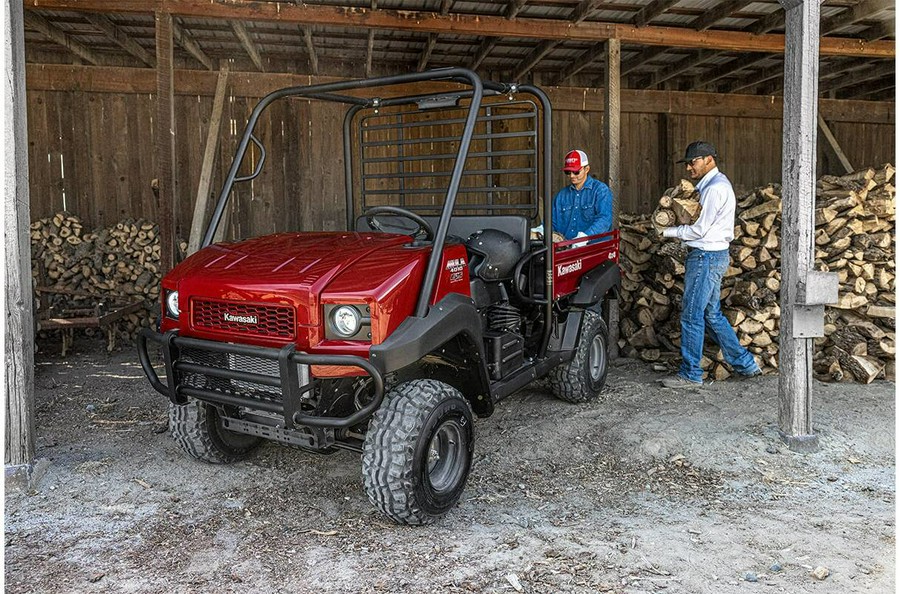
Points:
x=209, y=159
x=798, y=175
x=19, y=331
x=165, y=140
x=612, y=122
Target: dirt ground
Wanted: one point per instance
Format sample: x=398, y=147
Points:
x=645, y=490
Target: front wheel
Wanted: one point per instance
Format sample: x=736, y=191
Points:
x=582, y=378
x=418, y=451
x=197, y=428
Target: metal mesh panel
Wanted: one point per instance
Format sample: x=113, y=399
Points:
x=407, y=157
x=235, y=362
x=243, y=318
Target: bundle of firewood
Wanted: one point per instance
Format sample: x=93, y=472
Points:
x=854, y=238
x=121, y=261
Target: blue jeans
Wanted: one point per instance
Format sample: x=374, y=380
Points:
x=700, y=309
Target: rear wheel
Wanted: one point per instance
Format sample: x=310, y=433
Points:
x=418, y=451
x=197, y=428
x=582, y=378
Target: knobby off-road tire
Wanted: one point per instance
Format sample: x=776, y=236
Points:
x=418, y=451
x=582, y=378
x=197, y=429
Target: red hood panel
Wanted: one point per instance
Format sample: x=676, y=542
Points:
x=294, y=270
x=301, y=259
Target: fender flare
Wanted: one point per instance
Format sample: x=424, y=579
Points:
x=452, y=317
x=596, y=283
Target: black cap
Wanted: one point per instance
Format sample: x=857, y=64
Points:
x=698, y=149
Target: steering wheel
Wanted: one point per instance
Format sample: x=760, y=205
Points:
x=422, y=226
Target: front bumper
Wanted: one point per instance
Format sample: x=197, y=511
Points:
x=213, y=372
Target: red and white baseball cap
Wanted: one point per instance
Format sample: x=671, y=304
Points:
x=575, y=160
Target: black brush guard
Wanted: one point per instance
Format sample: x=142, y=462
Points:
x=286, y=383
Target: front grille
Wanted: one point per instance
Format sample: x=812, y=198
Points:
x=271, y=321
x=235, y=362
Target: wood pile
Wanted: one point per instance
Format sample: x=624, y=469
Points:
x=854, y=238
x=121, y=261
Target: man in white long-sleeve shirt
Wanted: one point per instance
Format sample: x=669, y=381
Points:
x=707, y=240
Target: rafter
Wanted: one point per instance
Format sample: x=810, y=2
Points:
x=426, y=51
x=370, y=43
x=310, y=49
x=489, y=43
x=721, y=11
x=120, y=38
x=57, y=35
x=536, y=55
x=880, y=31
x=757, y=78
x=681, y=66
x=584, y=10
x=854, y=14
x=771, y=21
x=866, y=90
x=370, y=48
x=470, y=24
x=581, y=12
x=651, y=11
x=446, y=5
x=184, y=39
x=249, y=46
x=582, y=61
x=866, y=75
x=646, y=54
x=728, y=69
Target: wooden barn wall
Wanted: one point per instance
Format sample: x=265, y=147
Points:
x=91, y=153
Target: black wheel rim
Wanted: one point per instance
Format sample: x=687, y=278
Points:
x=446, y=456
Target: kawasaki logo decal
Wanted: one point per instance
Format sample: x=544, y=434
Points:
x=562, y=269
x=241, y=319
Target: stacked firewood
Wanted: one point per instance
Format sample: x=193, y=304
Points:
x=121, y=261
x=854, y=238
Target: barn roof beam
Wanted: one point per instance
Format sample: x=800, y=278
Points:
x=581, y=12
x=773, y=20
x=872, y=73
x=870, y=89
x=57, y=35
x=489, y=43
x=723, y=10
x=582, y=61
x=96, y=79
x=310, y=49
x=247, y=42
x=370, y=43
x=469, y=24
x=854, y=14
x=880, y=31
x=121, y=38
x=446, y=5
x=757, y=78
x=185, y=40
x=728, y=69
x=681, y=67
x=651, y=11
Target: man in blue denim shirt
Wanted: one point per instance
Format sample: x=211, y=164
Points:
x=707, y=240
x=584, y=206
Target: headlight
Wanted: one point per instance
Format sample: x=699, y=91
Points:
x=346, y=320
x=172, y=305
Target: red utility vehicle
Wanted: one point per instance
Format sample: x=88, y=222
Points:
x=385, y=338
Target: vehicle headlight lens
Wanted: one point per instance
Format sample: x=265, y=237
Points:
x=346, y=320
x=172, y=305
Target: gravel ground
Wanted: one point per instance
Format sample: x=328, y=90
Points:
x=645, y=490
